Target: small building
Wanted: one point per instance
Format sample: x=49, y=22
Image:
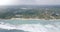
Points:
x=18, y=16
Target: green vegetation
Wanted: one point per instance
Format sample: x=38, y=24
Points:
x=20, y=12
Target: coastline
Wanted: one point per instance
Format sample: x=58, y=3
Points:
x=30, y=19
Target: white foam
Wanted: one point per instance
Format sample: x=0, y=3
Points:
x=32, y=27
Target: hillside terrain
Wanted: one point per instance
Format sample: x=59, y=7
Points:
x=40, y=12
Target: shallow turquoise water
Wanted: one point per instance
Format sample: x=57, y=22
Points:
x=30, y=21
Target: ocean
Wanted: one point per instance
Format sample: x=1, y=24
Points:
x=29, y=25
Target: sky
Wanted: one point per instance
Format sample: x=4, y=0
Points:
x=29, y=2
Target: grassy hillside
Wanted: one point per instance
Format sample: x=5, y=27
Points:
x=30, y=12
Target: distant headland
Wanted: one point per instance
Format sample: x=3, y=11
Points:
x=27, y=12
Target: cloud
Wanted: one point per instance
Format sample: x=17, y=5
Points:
x=34, y=2
x=40, y=2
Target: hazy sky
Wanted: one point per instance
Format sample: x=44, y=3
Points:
x=29, y=2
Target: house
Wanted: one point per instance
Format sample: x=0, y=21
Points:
x=18, y=16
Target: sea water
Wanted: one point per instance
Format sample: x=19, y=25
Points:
x=29, y=25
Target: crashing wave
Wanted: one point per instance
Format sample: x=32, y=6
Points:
x=32, y=27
